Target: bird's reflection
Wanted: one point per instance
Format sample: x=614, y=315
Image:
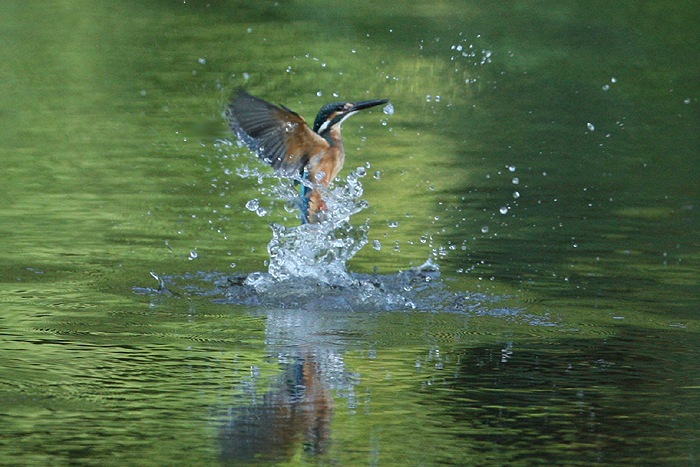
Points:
x=295, y=414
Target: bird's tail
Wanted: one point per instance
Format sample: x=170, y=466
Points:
x=305, y=198
x=312, y=205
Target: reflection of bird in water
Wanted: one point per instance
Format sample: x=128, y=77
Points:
x=282, y=138
x=297, y=411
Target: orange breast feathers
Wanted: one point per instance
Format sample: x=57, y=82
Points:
x=324, y=166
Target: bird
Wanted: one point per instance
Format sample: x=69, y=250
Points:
x=282, y=138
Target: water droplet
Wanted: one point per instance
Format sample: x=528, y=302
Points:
x=516, y=194
x=202, y=61
x=319, y=93
x=590, y=126
x=606, y=87
x=515, y=180
x=503, y=210
x=253, y=204
x=485, y=229
x=193, y=255
x=377, y=175
x=376, y=244
x=393, y=224
x=388, y=109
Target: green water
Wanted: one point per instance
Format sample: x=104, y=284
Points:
x=544, y=154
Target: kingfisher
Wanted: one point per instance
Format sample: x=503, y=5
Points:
x=283, y=139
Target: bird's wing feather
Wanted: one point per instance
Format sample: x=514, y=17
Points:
x=278, y=135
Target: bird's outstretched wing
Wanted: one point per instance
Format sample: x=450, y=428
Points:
x=278, y=135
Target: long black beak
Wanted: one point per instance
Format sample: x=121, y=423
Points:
x=366, y=104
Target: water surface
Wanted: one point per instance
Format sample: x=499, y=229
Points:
x=527, y=292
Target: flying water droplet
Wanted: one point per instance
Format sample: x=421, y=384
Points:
x=253, y=204
x=388, y=109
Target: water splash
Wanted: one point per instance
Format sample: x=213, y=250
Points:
x=315, y=251
x=307, y=267
x=319, y=251
x=416, y=289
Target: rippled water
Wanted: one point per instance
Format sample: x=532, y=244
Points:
x=508, y=275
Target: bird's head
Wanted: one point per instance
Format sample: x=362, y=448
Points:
x=335, y=113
